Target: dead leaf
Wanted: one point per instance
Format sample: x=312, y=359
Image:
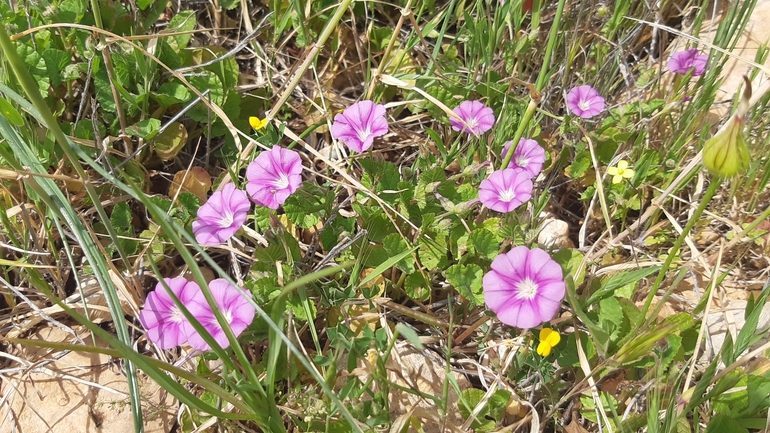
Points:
x=574, y=427
x=197, y=181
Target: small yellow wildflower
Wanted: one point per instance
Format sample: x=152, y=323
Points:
x=548, y=340
x=257, y=123
x=620, y=172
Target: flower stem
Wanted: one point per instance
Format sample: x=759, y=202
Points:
x=540, y=83
x=715, y=183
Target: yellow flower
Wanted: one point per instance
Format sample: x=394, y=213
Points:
x=620, y=172
x=548, y=340
x=256, y=123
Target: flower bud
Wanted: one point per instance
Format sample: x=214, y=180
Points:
x=726, y=153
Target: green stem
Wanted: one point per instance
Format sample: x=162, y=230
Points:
x=540, y=83
x=704, y=202
x=93, y=255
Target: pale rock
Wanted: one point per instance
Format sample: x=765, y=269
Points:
x=79, y=392
x=554, y=233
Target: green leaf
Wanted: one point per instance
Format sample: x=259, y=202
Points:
x=184, y=21
x=759, y=395
x=433, y=253
x=491, y=414
x=121, y=219
x=570, y=260
x=722, y=423
x=380, y=37
x=416, y=287
x=55, y=62
x=485, y=243
x=394, y=244
x=229, y=4
x=170, y=94
x=387, y=264
x=619, y=280
x=466, y=279
x=206, y=81
x=9, y=112
x=144, y=4
x=145, y=129
x=304, y=210
x=610, y=315
x=189, y=202
x=410, y=334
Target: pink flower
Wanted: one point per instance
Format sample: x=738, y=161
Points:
x=231, y=302
x=221, y=216
x=505, y=190
x=273, y=176
x=528, y=156
x=524, y=288
x=165, y=324
x=359, y=124
x=684, y=61
x=478, y=117
x=585, y=101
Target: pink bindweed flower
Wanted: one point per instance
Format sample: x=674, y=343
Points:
x=684, y=61
x=585, y=101
x=221, y=216
x=359, y=124
x=524, y=288
x=165, y=324
x=273, y=176
x=476, y=115
x=230, y=300
x=505, y=190
x=528, y=156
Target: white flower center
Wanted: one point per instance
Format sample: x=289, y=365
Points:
x=363, y=135
x=527, y=289
x=522, y=161
x=281, y=183
x=227, y=220
x=584, y=104
x=507, y=195
x=176, y=315
x=472, y=123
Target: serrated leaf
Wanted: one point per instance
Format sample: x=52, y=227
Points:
x=394, y=244
x=433, y=253
x=416, y=288
x=56, y=61
x=121, y=219
x=485, y=243
x=303, y=212
x=170, y=142
x=189, y=202
x=300, y=308
x=466, y=279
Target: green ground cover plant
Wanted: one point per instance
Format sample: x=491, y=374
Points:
x=281, y=202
